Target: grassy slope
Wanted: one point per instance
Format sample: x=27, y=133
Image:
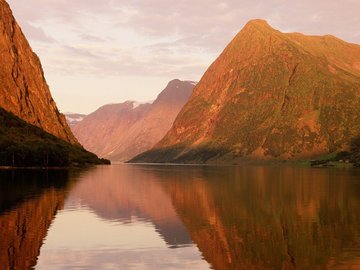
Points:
x=24, y=145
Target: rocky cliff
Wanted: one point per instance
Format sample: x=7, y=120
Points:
x=23, y=89
x=269, y=95
x=122, y=131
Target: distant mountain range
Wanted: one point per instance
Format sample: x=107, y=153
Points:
x=33, y=132
x=268, y=96
x=121, y=131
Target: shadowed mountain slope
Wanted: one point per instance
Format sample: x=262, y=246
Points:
x=23, y=145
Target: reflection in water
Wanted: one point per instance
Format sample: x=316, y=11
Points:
x=126, y=194
x=174, y=217
x=119, y=217
x=270, y=218
x=28, y=202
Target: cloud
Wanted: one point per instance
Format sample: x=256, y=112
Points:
x=156, y=30
x=36, y=33
x=91, y=38
x=115, y=62
x=161, y=38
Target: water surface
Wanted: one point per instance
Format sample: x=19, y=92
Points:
x=180, y=217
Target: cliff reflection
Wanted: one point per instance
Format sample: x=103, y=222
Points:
x=269, y=218
x=29, y=200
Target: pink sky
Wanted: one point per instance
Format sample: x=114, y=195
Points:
x=106, y=51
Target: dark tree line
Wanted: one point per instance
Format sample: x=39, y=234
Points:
x=24, y=145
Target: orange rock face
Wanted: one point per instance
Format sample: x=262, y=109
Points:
x=121, y=131
x=23, y=89
x=269, y=95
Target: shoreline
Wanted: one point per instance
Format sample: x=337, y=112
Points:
x=48, y=168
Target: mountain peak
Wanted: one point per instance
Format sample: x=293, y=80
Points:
x=174, y=81
x=258, y=27
x=176, y=91
x=258, y=22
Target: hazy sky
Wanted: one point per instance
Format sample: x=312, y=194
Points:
x=106, y=51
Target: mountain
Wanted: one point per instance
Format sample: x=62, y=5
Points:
x=269, y=95
x=121, y=131
x=23, y=89
x=32, y=131
x=74, y=118
x=102, y=130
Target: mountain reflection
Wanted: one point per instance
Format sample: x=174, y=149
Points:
x=269, y=218
x=29, y=200
x=238, y=217
x=123, y=194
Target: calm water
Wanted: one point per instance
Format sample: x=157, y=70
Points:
x=180, y=217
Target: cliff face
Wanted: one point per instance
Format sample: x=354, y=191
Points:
x=269, y=95
x=122, y=131
x=23, y=89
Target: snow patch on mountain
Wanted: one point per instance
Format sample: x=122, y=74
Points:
x=74, y=119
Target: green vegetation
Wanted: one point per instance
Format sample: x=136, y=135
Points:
x=353, y=156
x=199, y=155
x=24, y=145
x=341, y=159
